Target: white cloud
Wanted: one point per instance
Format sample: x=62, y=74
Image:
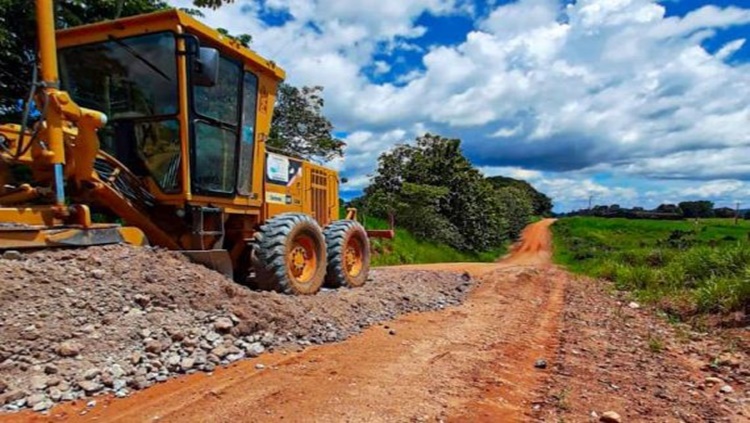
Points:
x=594, y=84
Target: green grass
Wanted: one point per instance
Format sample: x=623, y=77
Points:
x=685, y=267
x=405, y=248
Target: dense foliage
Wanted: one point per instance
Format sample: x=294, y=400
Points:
x=684, y=267
x=299, y=127
x=541, y=203
x=434, y=191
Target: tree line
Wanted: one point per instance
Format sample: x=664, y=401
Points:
x=433, y=190
x=683, y=210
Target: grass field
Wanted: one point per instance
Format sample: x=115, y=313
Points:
x=407, y=249
x=685, y=267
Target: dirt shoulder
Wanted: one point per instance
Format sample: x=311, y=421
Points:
x=614, y=355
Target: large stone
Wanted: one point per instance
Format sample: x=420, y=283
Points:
x=34, y=399
x=116, y=371
x=68, y=349
x=154, y=347
x=610, y=417
x=55, y=394
x=221, y=351
x=11, y=396
x=255, y=349
x=43, y=405
x=89, y=386
x=91, y=374
x=187, y=363
x=38, y=383
x=223, y=324
x=98, y=273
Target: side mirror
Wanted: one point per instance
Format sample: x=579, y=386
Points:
x=206, y=67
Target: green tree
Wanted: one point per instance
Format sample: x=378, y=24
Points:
x=697, y=209
x=465, y=210
x=299, y=127
x=541, y=203
x=18, y=37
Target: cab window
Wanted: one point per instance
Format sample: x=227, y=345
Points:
x=216, y=131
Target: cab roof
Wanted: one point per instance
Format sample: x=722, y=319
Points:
x=171, y=19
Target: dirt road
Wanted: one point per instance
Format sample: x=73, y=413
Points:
x=474, y=362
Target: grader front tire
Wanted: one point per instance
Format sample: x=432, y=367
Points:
x=348, y=254
x=291, y=254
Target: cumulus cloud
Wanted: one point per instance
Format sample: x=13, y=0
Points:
x=558, y=88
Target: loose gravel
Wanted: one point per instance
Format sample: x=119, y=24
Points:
x=79, y=323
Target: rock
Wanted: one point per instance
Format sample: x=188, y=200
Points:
x=154, y=347
x=540, y=363
x=91, y=404
x=212, y=336
x=89, y=386
x=634, y=305
x=255, y=349
x=50, y=369
x=35, y=399
x=145, y=333
x=713, y=380
x=221, y=351
x=116, y=371
x=726, y=389
x=98, y=273
x=43, y=405
x=55, y=394
x=122, y=393
x=12, y=396
x=12, y=255
x=119, y=384
x=260, y=366
x=173, y=361
x=391, y=332
x=135, y=358
x=107, y=380
x=38, y=383
x=68, y=396
x=68, y=349
x=187, y=363
x=3, y=387
x=267, y=339
x=223, y=325
x=142, y=300
x=610, y=417
x=91, y=373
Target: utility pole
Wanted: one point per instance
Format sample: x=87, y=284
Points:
x=737, y=214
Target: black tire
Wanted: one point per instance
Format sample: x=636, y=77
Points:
x=340, y=236
x=277, y=244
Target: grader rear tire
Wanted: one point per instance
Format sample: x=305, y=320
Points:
x=290, y=255
x=348, y=254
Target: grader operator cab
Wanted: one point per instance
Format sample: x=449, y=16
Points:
x=160, y=122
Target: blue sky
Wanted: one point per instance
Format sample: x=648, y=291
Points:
x=635, y=102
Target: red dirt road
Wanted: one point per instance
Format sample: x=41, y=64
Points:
x=474, y=362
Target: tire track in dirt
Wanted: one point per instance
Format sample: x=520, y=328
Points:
x=474, y=362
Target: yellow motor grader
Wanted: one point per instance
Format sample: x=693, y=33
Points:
x=156, y=125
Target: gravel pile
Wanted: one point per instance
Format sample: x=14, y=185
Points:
x=77, y=323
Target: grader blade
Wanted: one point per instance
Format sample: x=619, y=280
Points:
x=217, y=260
